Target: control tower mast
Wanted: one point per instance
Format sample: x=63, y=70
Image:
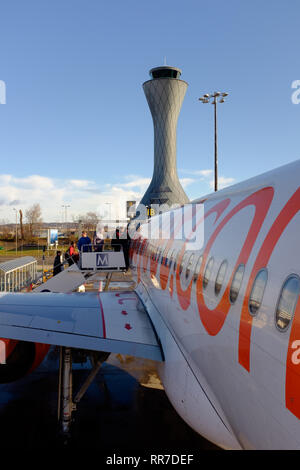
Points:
x=165, y=93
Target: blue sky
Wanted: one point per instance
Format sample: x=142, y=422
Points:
x=76, y=128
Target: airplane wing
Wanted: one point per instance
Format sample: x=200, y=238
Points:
x=104, y=321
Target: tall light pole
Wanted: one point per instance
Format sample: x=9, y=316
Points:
x=16, y=229
x=214, y=98
x=66, y=208
x=109, y=204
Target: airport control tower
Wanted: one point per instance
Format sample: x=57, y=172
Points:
x=165, y=92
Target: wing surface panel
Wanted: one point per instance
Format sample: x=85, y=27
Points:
x=107, y=321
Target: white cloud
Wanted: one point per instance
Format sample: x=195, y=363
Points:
x=203, y=173
x=34, y=182
x=186, y=181
x=222, y=182
x=80, y=194
x=205, y=177
x=136, y=183
x=81, y=183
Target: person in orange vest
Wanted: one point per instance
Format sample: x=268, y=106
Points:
x=71, y=254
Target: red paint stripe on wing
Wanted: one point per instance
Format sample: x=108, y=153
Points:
x=102, y=315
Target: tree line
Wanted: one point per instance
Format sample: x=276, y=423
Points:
x=30, y=223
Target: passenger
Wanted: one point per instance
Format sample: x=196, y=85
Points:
x=98, y=241
x=83, y=243
x=57, y=264
x=120, y=243
x=106, y=233
x=115, y=243
x=71, y=256
x=125, y=244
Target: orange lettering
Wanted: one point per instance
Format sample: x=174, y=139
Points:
x=213, y=320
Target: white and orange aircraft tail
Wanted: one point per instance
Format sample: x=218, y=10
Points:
x=222, y=320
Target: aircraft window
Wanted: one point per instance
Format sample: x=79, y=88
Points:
x=170, y=259
x=166, y=258
x=220, y=277
x=197, y=269
x=174, y=261
x=207, y=272
x=189, y=265
x=183, y=262
x=287, y=302
x=236, y=283
x=257, y=291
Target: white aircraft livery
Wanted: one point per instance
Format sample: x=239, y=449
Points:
x=222, y=320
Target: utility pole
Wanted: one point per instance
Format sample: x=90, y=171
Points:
x=66, y=208
x=16, y=229
x=21, y=224
x=109, y=204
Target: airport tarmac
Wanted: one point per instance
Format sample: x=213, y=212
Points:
x=124, y=408
x=117, y=412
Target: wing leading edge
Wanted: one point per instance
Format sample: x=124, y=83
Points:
x=106, y=321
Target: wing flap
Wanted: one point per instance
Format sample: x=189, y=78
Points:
x=106, y=321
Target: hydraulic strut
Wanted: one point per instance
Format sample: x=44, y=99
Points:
x=66, y=405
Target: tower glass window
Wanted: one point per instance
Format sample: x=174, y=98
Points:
x=165, y=73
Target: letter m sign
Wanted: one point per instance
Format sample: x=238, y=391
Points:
x=102, y=260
